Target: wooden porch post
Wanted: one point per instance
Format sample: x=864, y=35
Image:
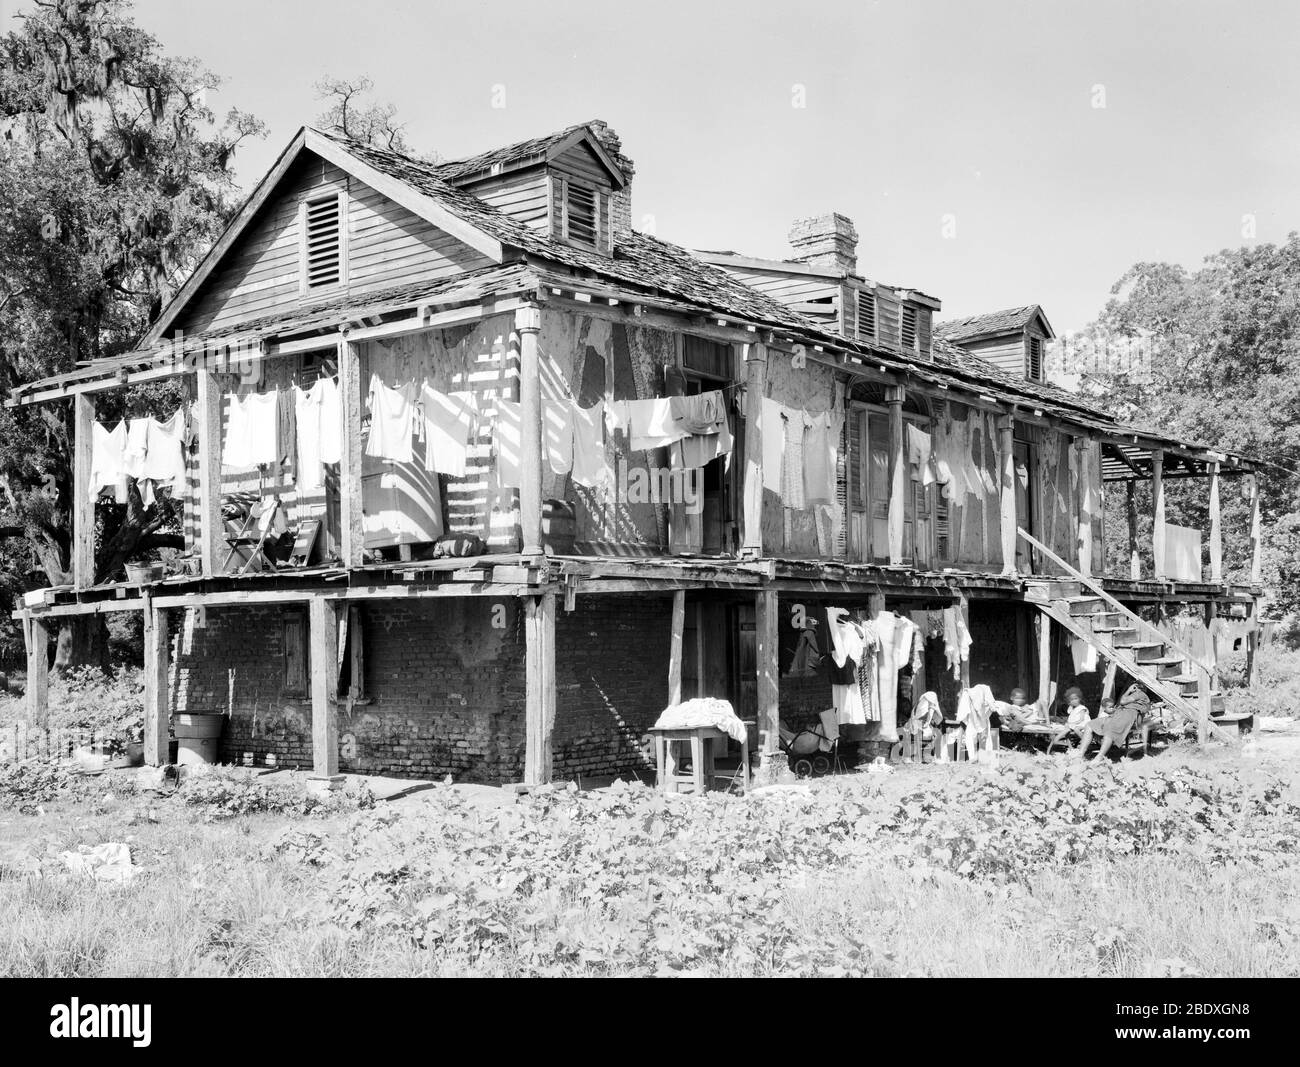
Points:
x=539, y=680
x=1252, y=487
x=1216, y=528
x=675, y=647
x=755, y=390
x=1009, y=519
x=157, y=654
x=83, y=504
x=37, y=632
x=897, y=473
x=1134, y=556
x=1044, y=661
x=212, y=527
x=323, y=635
x=1086, y=504
x=766, y=620
x=351, y=535
x=528, y=322
x=1158, y=530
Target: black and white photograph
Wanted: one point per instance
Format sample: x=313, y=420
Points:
x=620, y=490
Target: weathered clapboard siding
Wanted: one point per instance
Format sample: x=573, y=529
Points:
x=887, y=318
x=387, y=246
x=788, y=288
x=924, y=317
x=522, y=195
x=1008, y=353
x=581, y=162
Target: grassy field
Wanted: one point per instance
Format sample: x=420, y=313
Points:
x=1182, y=863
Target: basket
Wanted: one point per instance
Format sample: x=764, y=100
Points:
x=140, y=573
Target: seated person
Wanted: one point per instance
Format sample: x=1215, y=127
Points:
x=1077, y=715
x=1107, y=707
x=1018, y=713
x=1115, y=726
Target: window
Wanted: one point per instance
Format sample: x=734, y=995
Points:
x=581, y=215
x=866, y=316
x=907, y=328
x=1034, y=360
x=322, y=242
x=706, y=357
x=296, y=672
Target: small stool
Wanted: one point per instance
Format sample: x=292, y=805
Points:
x=701, y=739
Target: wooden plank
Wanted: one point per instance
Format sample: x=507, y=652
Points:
x=212, y=527
x=528, y=323
x=755, y=390
x=539, y=698
x=323, y=635
x=1203, y=707
x=1009, y=521
x=1216, y=528
x=38, y=670
x=766, y=622
x=897, y=474
x=1256, y=535
x=675, y=648
x=1084, y=446
x=157, y=650
x=83, y=502
x=1158, y=530
x=1134, y=556
x=351, y=393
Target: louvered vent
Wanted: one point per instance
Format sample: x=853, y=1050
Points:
x=580, y=215
x=866, y=316
x=1034, y=363
x=323, y=266
x=907, y=328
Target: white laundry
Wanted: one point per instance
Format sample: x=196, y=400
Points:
x=506, y=444
x=164, y=459
x=252, y=430
x=557, y=434
x=772, y=428
x=448, y=423
x=392, y=420
x=318, y=420
x=107, y=456
x=591, y=466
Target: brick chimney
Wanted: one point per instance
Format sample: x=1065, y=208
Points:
x=620, y=204
x=827, y=242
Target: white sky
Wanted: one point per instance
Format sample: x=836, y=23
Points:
x=915, y=110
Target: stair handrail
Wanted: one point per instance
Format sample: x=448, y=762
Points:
x=1099, y=591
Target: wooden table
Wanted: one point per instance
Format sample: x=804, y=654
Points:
x=701, y=739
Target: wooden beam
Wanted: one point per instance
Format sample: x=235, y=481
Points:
x=351, y=397
x=766, y=623
x=528, y=323
x=323, y=658
x=1134, y=556
x=1256, y=535
x=675, y=647
x=38, y=670
x=1086, y=504
x=1009, y=521
x=83, y=500
x=1216, y=528
x=755, y=390
x=1044, y=625
x=1158, y=531
x=897, y=474
x=539, y=698
x=211, y=526
x=1203, y=707
x=157, y=650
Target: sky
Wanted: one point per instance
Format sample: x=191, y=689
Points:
x=991, y=153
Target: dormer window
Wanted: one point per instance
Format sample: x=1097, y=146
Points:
x=1034, y=360
x=907, y=335
x=323, y=262
x=866, y=324
x=584, y=212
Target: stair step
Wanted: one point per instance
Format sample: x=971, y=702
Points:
x=1104, y=621
x=1125, y=638
x=1085, y=605
x=1166, y=671
x=1149, y=652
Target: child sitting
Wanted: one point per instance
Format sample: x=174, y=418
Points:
x=1019, y=713
x=1077, y=715
x=1107, y=707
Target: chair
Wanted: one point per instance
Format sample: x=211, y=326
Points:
x=261, y=518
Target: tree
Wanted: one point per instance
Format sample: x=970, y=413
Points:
x=374, y=124
x=1224, y=369
x=114, y=178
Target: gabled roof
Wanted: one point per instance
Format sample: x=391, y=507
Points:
x=533, y=151
x=1010, y=320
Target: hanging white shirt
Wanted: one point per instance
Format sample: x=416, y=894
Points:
x=107, y=456
x=448, y=421
x=318, y=422
x=252, y=430
x=392, y=413
x=164, y=461
x=591, y=466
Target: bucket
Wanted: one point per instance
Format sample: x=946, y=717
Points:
x=140, y=573
x=197, y=735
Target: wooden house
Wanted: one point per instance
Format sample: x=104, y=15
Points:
x=515, y=278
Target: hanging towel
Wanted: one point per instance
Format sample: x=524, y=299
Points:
x=506, y=438
x=392, y=414
x=557, y=434
x=164, y=461
x=1084, y=654
x=918, y=453
x=792, y=481
x=820, y=437
x=591, y=467
x=136, y=448
x=107, y=456
x=252, y=430
x=772, y=429
x=708, y=436
x=448, y=422
x=651, y=424
x=318, y=422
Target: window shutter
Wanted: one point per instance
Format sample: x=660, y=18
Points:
x=855, y=435
x=1034, y=362
x=866, y=316
x=580, y=215
x=907, y=328
x=322, y=242
x=295, y=653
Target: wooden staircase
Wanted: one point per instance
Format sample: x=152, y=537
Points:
x=1084, y=609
